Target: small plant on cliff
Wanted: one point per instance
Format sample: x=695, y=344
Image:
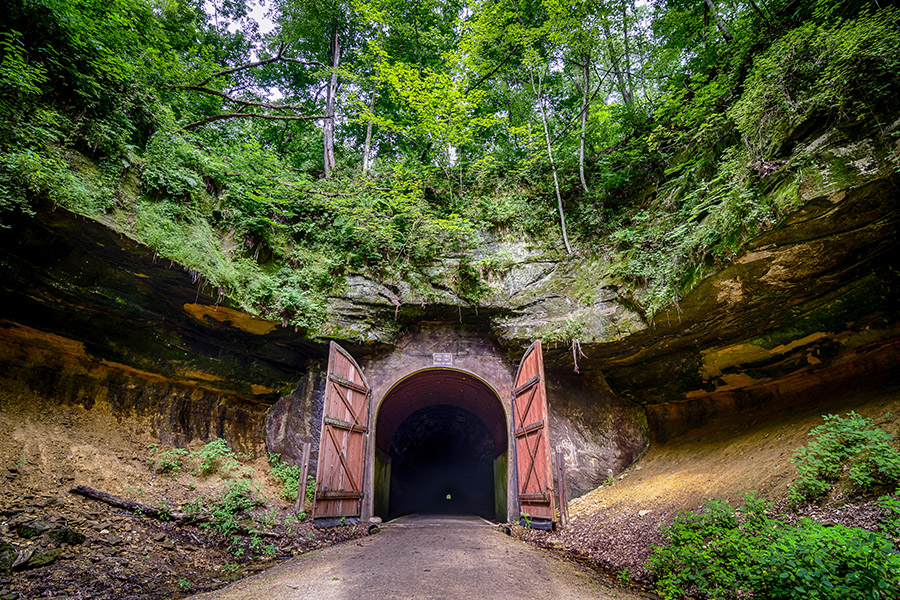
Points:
x=310, y=489
x=851, y=445
x=169, y=462
x=287, y=475
x=291, y=522
x=216, y=456
x=231, y=516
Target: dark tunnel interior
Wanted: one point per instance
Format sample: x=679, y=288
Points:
x=442, y=463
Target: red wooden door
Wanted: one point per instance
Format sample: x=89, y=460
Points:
x=533, y=467
x=342, y=442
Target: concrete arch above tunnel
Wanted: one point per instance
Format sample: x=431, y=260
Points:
x=441, y=445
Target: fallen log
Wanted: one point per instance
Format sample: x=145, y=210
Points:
x=136, y=507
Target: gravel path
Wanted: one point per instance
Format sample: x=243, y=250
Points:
x=427, y=557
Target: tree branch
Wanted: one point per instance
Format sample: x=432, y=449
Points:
x=584, y=108
x=150, y=511
x=241, y=106
x=212, y=92
x=484, y=77
x=233, y=115
x=278, y=57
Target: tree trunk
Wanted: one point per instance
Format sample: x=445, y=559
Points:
x=538, y=92
x=585, y=58
x=150, y=511
x=330, y=97
x=719, y=22
x=617, y=65
x=367, y=148
x=626, y=58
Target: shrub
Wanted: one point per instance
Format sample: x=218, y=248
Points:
x=214, y=456
x=711, y=553
x=287, y=475
x=169, y=462
x=726, y=553
x=236, y=498
x=851, y=445
x=890, y=506
x=811, y=560
x=841, y=73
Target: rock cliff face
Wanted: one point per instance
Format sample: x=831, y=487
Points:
x=90, y=316
x=807, y=308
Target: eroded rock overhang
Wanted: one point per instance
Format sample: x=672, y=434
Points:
x=806, y=308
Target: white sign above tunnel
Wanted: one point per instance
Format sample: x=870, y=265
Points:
x=442, y=359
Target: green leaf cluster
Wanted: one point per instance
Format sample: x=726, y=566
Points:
x=850, y=446
x=844, y=73
x=725, y=553
x=683, y=129
x=287, y=475
x=211, y=458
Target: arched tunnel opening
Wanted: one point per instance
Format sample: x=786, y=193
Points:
x=442, y=461
x=441, y=447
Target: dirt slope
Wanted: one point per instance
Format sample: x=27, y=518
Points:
x=79, y=548
x=615, y=525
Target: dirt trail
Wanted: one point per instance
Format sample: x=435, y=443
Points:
x=427, y=557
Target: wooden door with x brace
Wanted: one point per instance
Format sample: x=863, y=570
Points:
x=342, y=443
x=532, y=435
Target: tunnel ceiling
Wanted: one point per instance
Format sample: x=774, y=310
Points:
x=435, y=387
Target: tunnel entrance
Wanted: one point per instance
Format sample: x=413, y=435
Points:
x=441, y=447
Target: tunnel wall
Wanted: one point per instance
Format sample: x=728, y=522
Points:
x=501, y=491
x=471, y=351
x=381, y=483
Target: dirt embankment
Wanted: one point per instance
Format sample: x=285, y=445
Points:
x=68, y=546
x=615, y=526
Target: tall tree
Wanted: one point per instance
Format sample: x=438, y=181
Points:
x=321, y=32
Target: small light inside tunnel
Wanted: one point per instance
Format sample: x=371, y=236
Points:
x=442, y=462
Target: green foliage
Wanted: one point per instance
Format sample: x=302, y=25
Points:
x=847, y=72
x=890, y=506
x=165, y=511
x=213, y=457
x=726, y=553
x=230, y=515
x=216, y=456
x=173, y=168
x=287, y=475
x=563, y=331
x=434, y=108
x=292, y=521
x=310, y=489
x=737, y=106
x=683, y=128
x=811, y=560
x=235, y=501
x=394, y=229
x=851, y=445
x=169, y=462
